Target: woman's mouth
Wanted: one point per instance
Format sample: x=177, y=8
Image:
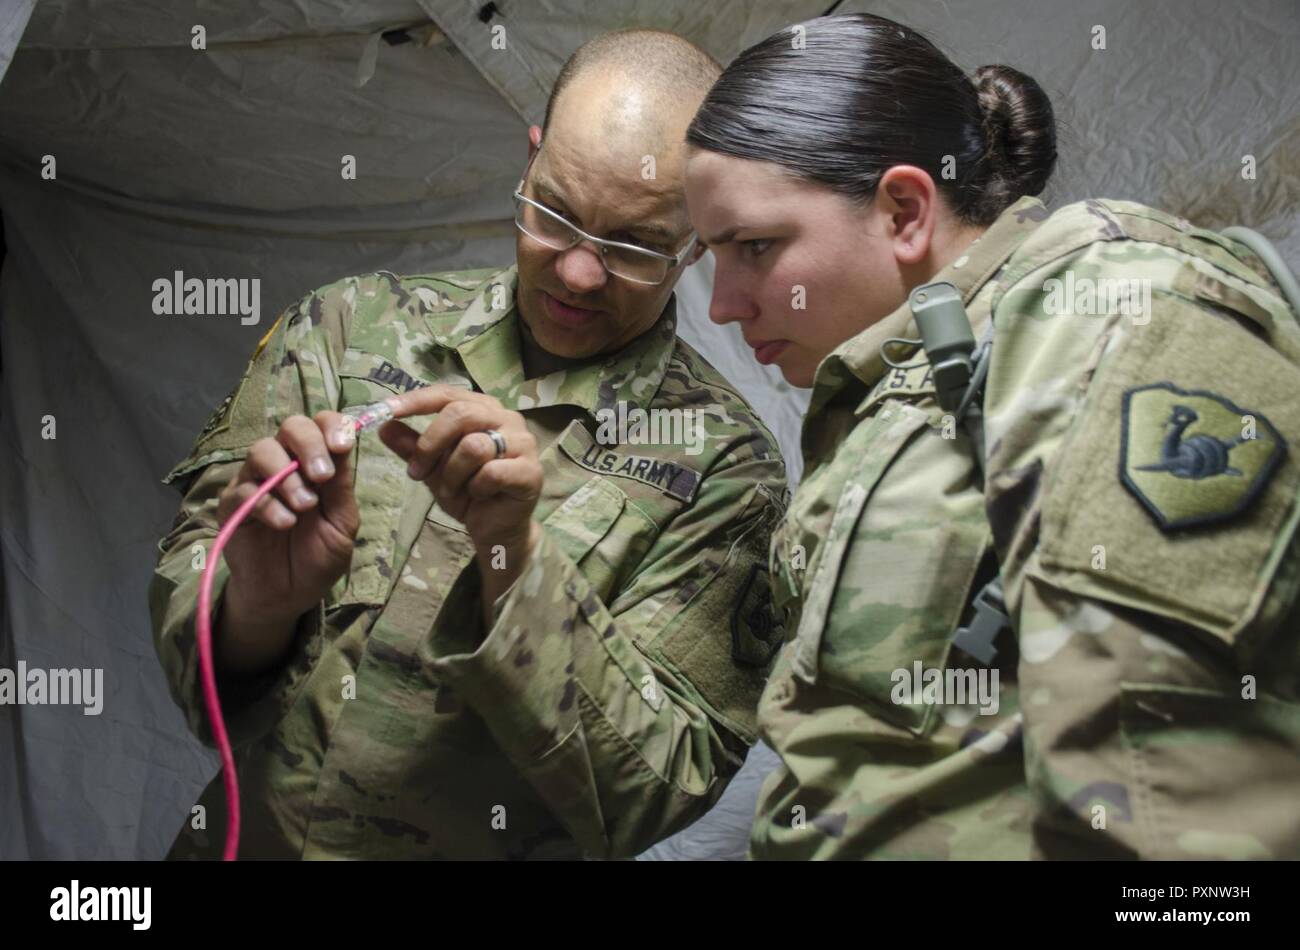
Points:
x=767, y=353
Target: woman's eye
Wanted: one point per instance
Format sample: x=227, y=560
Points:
x=755, y=247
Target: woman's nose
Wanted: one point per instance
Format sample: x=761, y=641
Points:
x=730, y=303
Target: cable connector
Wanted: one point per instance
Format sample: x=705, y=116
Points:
x=371, y=416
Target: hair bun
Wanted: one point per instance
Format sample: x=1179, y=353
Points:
x=1019, y=133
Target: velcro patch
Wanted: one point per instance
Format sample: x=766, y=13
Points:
x=220, y=418
x=266, y=337
x=755, y=633
x=670, y=477
x=1192, y=457
x=903, y=381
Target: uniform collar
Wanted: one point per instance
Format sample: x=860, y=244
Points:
x=860, y=356
x=487, y=339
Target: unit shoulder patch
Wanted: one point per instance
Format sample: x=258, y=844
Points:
x=219, y=421
x=1193, y=457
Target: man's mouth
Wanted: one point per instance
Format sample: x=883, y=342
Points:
x=567, y=315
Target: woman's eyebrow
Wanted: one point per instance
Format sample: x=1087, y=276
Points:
x=724, y=237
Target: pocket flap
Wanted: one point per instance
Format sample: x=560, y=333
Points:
x=585, y=517
x=881, y=440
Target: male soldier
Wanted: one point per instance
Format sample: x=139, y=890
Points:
x=508, y=635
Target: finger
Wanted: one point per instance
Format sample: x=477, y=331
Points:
x=338, y=430
x=476, y=449
x=517, y=478
x=430, y=399
x=470, y=454
x=455, y=422
x=304, y=440
x=265, y=458
x=226, y=497
x=399, y=437
x=269, y=510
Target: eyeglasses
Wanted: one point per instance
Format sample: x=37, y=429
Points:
x=637, y=264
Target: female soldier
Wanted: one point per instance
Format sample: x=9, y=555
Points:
x=1131, y=686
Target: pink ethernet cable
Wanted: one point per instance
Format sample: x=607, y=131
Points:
x=364, y=417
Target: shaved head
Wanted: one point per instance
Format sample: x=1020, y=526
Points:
x=611, y=160
x=655, y=70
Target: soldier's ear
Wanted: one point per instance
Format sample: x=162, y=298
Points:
x=906, y=197
x=534, y=140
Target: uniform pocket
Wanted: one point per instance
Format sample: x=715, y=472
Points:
x=601, y=527
x=382, y=491
x=385, y=495
x=891, y=585
x=367, y=377
x=812, y=620
x=867, y=453
x=1214, y=774
x=600, y=531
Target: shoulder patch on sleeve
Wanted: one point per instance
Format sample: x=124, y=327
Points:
x=1173, y=491
x=219, y=421
x=1193, y=457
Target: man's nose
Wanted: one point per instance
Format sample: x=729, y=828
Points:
x=730, y=302
x=580, y=269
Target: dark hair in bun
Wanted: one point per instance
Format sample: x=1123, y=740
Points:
x=841, y=99
x=1019, y=135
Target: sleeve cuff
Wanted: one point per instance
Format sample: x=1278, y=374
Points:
x=250, y=705
x=510, y=676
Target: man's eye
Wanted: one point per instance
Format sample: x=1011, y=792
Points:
x=756, y=246
x=635, y=242
x=559, y=213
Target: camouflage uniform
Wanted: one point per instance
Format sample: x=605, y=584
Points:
x=1150, y=697
x=614, y=696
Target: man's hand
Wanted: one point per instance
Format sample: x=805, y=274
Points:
x=293, y=546
x=494, y=497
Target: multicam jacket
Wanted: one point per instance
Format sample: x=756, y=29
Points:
x=614, y=696
x=1142, y=471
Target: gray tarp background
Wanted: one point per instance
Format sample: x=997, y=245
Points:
x=225, y=163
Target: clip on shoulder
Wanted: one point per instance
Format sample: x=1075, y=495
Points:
x=959, y=368
x=947, y=338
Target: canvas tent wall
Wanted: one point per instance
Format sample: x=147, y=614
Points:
x=226, y=162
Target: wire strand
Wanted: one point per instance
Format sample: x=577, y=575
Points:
x=206, y=670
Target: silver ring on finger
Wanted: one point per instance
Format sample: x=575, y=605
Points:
x=498, y=440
